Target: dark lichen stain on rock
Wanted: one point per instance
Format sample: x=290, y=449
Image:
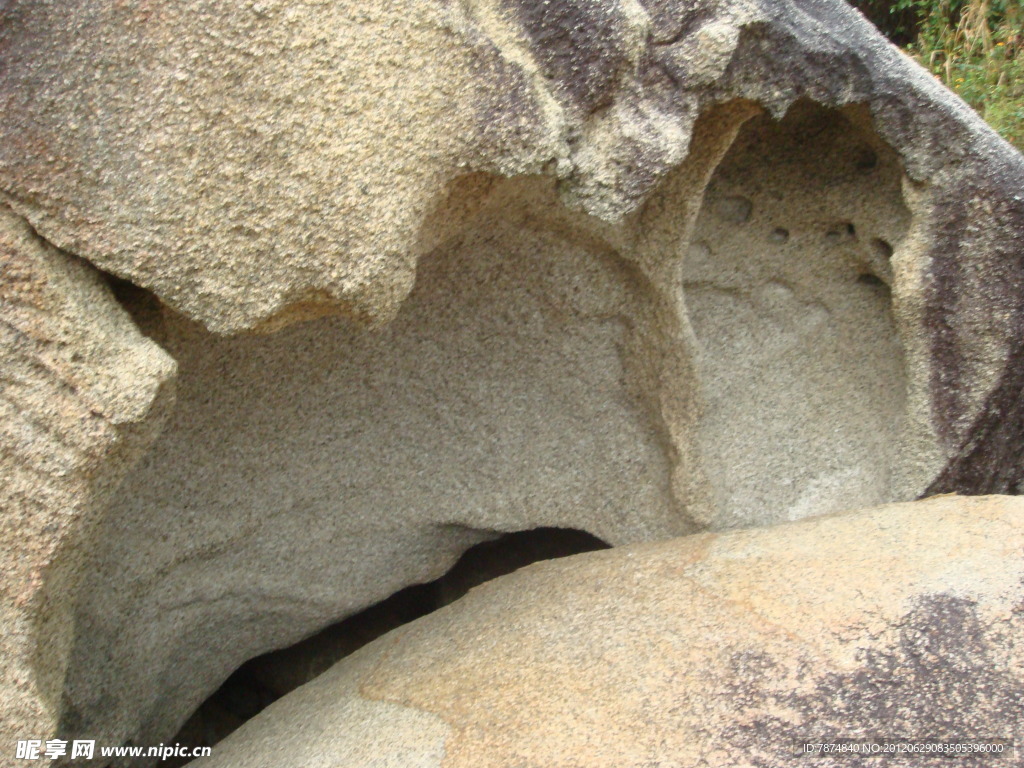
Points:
x=941, y=681
x=581, y=46
x=672, y=24
x=989, y=455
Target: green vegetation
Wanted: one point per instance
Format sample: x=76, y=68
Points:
x=975, y=47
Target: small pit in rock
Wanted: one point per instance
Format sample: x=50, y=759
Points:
x=261, y=681
x=872, y=280
x=882, y=249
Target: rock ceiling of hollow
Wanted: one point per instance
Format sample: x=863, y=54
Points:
x=229, y=157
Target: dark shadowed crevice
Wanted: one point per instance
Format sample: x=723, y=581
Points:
x=262, y=680
x=142, y=305
x=873, y=280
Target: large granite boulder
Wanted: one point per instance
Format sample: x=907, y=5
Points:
x=633, y=268
x=900, y=623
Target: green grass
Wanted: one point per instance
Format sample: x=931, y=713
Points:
x=975, y=47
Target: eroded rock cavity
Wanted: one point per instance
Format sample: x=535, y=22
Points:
x=542, y=373
x=310, y=473
x=787, y=285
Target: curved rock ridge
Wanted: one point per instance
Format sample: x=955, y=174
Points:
x=634, y=268
x=908, y=624
x=270, y=158
x=82, y=393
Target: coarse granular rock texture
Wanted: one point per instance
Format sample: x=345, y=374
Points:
x=787, y=286
x=274, y=504
x=81, y=391
x=633, y=268
x=907, y=623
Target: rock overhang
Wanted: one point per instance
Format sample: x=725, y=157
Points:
x=250, y=196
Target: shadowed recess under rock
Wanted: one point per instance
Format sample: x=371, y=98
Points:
x=309, y=473
x=261, y=681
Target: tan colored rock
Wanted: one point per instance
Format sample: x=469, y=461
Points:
x=730, y=650
x=82, y=393
x=308, y=474
x=255, y=162
x=677, y=266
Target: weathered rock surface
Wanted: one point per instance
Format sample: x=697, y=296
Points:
x=906, y=621
x=273, y=505
x=677, y=266
x=80, y=390
x=262, y=680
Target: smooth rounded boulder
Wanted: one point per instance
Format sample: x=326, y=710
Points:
x=901, y=624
